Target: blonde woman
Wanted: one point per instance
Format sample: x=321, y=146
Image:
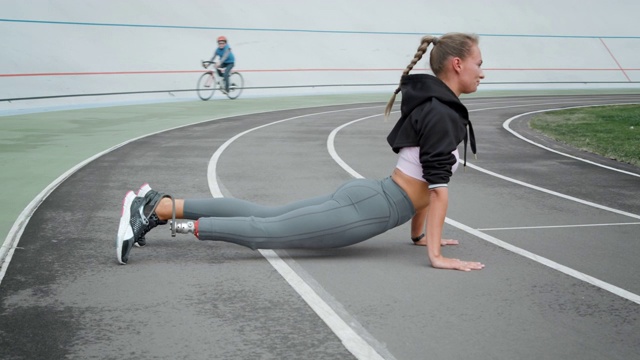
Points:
x=432, y=124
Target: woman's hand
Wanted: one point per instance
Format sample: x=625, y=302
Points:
x=443, y=242
x=455, y=264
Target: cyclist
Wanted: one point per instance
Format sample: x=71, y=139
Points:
x=226, y=61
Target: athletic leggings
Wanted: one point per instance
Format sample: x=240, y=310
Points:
x=358, y=210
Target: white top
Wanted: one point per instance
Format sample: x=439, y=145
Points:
x=409, y=163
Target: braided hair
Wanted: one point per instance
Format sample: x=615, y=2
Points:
x=447, y=46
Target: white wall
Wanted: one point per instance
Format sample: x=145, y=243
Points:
x=60, y=47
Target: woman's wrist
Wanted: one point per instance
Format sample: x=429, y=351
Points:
x=417, y=238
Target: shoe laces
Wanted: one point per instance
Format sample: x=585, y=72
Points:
x=151, y=222
x=151, y=219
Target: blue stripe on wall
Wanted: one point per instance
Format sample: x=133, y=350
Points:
x=301, y=30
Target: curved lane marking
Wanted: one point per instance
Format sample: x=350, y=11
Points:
x=506, y=126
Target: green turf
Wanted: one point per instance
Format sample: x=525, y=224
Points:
x=610, y=131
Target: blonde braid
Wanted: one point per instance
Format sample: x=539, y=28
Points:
x=422, y=49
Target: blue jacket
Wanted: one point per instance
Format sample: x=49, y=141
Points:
x=230, y=59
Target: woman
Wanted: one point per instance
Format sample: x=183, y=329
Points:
x=433, y=123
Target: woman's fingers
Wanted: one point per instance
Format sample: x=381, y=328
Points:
x=469, y=265
x=444, y=242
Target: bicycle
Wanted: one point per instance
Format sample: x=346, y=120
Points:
x=212, y=79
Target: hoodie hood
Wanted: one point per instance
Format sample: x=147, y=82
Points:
x=420, y=88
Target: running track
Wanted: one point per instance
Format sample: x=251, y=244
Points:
x=558, y=235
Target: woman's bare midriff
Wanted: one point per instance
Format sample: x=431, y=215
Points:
x=417, y=190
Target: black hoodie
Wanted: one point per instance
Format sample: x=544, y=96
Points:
x=433, y=118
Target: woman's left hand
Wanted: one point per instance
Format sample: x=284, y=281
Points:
x=443, y=242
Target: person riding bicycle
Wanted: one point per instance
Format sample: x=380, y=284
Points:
x=227, y=60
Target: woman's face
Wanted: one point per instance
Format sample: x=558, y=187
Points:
x=221, y=44
x=470, y=71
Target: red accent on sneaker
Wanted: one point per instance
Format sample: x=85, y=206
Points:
x=195, y=229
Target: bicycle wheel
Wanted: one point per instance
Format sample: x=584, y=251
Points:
x=206, y=85
x=236, y=85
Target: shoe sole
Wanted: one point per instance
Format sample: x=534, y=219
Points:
x=125, y=232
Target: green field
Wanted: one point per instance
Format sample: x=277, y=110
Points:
x=610, y=131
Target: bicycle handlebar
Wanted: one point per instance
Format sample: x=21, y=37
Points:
x=205, y=64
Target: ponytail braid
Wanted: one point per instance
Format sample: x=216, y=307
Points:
x=422, y=49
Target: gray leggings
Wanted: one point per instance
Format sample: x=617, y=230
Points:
x=360, y=209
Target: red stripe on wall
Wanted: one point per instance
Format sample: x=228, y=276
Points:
x=614, y=59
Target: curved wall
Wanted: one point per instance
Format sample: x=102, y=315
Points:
x=65, y=47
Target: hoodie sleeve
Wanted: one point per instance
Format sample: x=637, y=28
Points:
x=439, y=132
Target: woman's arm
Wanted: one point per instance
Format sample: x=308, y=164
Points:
x=418, y=222
x=437, y=211
x=418, y=228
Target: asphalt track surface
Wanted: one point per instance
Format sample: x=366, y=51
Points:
x=558, y=235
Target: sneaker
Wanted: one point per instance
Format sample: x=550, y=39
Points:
x=150, y=218
x=131, y=225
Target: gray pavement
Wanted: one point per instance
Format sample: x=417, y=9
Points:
x=64, y=296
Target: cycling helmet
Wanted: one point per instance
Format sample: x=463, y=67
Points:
x=222, y=38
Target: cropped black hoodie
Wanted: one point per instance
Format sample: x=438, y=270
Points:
x=433, y=118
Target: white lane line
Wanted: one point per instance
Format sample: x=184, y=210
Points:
x=351, y=340
x=332, y=149
x=526, y=105
x=535, y=102
x=542, y=260
x=554, y=193
x=557, y=226
x=349, y=337
x=506, y=126
x=552, y=264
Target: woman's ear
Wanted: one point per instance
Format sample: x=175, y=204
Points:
x=456, y=64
